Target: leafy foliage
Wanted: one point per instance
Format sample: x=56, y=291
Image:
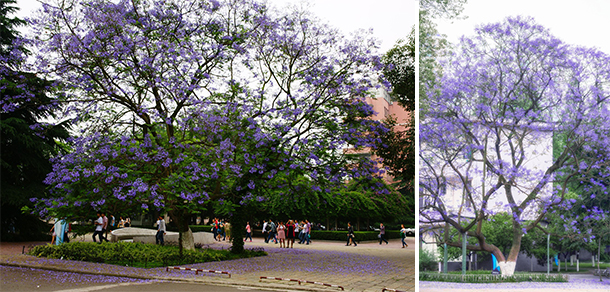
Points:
x=27, y=142
x=400, y=71
x=188, y=103
x=502, y=97
x=487, y=277
x=135, y=254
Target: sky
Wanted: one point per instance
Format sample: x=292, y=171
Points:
x=390, y=19
x=583, y=22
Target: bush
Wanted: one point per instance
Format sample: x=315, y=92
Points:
x=487, y=277
x=360, y=235
x=427, y=262
x=135, y=254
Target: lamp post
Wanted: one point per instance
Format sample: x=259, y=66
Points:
x=544, y=224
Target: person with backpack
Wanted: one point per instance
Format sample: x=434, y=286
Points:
x=403, y=235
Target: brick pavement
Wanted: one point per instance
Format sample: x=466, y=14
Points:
x=368, y=267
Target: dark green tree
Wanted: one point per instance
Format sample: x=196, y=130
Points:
x=27, y=143
x=400, y=71
x=397, y=146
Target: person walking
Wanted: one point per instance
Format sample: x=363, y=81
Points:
x=160, y=230
x=272, y=231
x=281, y=234
x=266, y=231
x=403, y=235
x=105, y=227
x=248, y=232
x=307, y=232
x=301, y=232
x=382, y=234
x=99, y=224
x=351, y=238
x=290, y=234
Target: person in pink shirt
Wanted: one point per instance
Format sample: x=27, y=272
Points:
x=248, y=231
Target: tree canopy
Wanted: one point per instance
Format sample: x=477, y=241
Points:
x=27, y=141
x=185, y=102
x=487, y=140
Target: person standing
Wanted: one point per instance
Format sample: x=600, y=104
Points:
x=99, y=224
x=403, y=235
x=59, y=231
x=265, y=231
x=228, y=230
x=221, y=230
x=215, y=227
x=290, y=234
x=382, y=234
x=248, y=231
x=127, y=222
x=281, y=234
x=121, y=222
x=160, y=230
x=351, y=238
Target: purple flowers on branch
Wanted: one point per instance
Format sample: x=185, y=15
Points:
x=508, y=119
x=186, y=102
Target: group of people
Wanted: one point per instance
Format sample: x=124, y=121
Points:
x=351, y=238
x=284, y=234
x=101, y=227
x=221, y=229
x=124, y=222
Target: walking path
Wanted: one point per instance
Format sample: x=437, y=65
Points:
x=367, y=267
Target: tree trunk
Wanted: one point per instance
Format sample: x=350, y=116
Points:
x=238, y=231
x=507, y=267
x=185, y=239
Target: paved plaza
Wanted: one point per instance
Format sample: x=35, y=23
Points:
x=367, y=267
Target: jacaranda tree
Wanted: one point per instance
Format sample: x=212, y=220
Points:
x=185, y=102
x=486, y=143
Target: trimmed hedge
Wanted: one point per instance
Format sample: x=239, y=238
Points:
x=489, y=278
x=136, y=254
x=360, y=235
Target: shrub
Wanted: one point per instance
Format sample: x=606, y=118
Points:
x=427, y=262
x=135, y=254
x=360, y=235
x=487, y=277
